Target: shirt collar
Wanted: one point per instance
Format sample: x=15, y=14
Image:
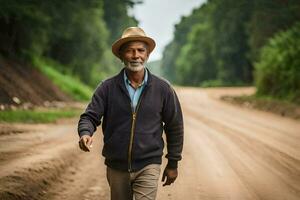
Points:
x=127, y=81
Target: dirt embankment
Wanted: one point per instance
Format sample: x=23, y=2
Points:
x=284, y=109
x=21, y=84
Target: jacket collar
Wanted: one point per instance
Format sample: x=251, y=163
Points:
x=120, y=78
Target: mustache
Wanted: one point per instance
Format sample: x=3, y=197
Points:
x=135, y=62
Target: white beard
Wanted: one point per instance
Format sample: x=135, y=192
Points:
x=134, y=67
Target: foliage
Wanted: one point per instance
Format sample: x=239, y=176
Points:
x=218, y=44
x=35, y=116
x=65, y=82
x=23, y=28
x=278, y=71
x=172, y=50
x=116, y=16
x=269, y=17
x=79, y=41
x=210, y=44
x=76, y=34
x=231, y=41
x=195, y=60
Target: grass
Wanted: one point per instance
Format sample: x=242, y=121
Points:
x=36, y=116
x=266, y=103
x=68, y=84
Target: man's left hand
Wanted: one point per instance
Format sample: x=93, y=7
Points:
x=169, y=176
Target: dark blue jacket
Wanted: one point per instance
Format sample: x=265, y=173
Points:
x=133, y=140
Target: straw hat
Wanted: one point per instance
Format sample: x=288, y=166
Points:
x=132, y=34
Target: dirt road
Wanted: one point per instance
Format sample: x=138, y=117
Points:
x=229, y=153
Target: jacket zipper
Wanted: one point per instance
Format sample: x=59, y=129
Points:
x=134, y=113
x=131, y=141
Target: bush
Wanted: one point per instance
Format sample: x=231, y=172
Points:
x=37, y=116
x=278, y=70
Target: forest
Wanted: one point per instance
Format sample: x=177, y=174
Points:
x=76, y=35
x=237, y=43
x=221, y=43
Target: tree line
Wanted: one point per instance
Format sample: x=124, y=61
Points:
x=76, y=34
x=238, y=42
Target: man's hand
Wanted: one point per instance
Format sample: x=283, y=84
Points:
x=170, y=176
x=85, y=143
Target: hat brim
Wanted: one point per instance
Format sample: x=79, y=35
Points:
x=117, y=44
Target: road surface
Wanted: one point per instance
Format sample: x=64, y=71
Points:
x=230, y=153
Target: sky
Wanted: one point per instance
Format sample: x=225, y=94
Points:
x=158, y=17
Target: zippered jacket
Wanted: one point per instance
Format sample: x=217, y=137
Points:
x=133, y=139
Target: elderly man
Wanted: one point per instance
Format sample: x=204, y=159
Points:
x=135, y=107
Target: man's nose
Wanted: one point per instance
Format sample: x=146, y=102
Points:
x=135, y=54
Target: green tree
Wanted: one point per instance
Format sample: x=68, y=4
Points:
x=23, y=28
x=278, y=71
x=229, y=22
x=173, y=49
x=78, y=41
x=267, y=19
x=117, y=18
x=195, y=64
x=218, y=50
x=75, y=33
x=234, y=34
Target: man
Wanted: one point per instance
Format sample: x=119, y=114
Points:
x=135, y=107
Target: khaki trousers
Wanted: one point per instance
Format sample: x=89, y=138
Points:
x=140, y=185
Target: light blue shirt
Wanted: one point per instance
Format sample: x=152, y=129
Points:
x=135, y=93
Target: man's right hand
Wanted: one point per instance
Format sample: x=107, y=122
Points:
x=85, y=143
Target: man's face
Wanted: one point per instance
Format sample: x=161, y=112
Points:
x=134, y=55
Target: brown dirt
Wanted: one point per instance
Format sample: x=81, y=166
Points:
x=230, y=153
x=27, y=84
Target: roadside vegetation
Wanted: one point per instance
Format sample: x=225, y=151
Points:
x=238, y=43
x=66, y=82
x=75, y=34
x=37, y=116
x=277, y=72
x=68, y=41
x=221, y=43
x=277, y=76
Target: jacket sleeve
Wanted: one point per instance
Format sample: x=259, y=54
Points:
x=91, y=118
x=173, y=127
